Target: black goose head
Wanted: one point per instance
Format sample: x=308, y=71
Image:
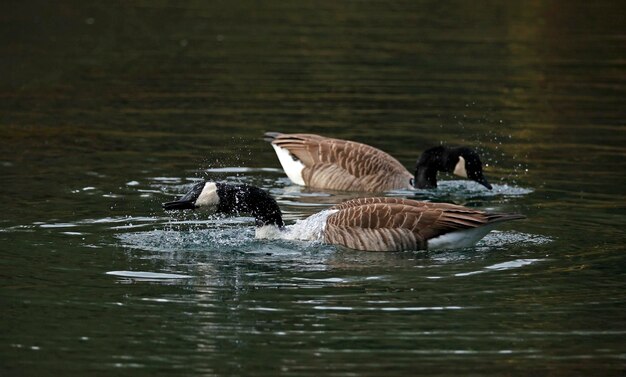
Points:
x=461, y=161
x=230, y=199
x=468, y=165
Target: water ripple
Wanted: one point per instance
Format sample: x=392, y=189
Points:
x=502, y=266
x=144, y=275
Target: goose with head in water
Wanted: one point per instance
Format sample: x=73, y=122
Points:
x=372, y=224
x=335, y=164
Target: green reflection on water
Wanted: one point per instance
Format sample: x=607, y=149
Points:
x=102, y=103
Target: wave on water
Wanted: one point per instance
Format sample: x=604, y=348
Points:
x=172, y=240
x=502, y=266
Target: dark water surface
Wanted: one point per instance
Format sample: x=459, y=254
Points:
x=110, y=108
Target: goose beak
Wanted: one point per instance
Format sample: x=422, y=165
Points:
x=483, y=181
x=178, y=205
x=201, y=194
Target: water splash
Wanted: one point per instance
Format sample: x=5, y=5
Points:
x=309, y=229
x=463, y=189
x=500, y=239
x=173, y=240
x=195, y=233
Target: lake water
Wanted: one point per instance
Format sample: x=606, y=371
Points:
x=110, y=109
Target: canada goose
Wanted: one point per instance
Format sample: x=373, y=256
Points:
x=335, y=164
x=373, y=224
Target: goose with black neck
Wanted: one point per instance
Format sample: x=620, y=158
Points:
x=336, y=164
x=460, y=161
x=370, y=224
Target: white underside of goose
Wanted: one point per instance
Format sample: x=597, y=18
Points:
x=459, y=239
x=292, y=167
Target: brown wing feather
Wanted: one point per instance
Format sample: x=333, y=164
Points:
x=331, y=176
x=394, y=224
x=409, y=202
x=371, y=168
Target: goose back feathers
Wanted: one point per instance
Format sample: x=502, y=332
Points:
x=337, y=164
x=394, y=224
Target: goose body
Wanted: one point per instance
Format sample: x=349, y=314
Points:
x=336, y=164
x=372, y=224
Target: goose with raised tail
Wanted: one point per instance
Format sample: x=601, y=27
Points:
x=335, y=164
x=372, y=224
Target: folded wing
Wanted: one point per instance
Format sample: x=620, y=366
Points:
x=395, y=224
x=343, y=165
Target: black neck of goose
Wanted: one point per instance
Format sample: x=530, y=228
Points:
x=425, y=178
x=450, y=158
x=235, y=199
x=430, y=162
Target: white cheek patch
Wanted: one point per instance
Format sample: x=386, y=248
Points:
x=293, y=168
x=459, y=169
x=208, y=197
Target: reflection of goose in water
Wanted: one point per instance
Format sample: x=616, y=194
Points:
x=335, y=164
x=374, y=224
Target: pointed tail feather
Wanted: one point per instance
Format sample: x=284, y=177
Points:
x=178, y=205
x=501, y=217
x=270, y=136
